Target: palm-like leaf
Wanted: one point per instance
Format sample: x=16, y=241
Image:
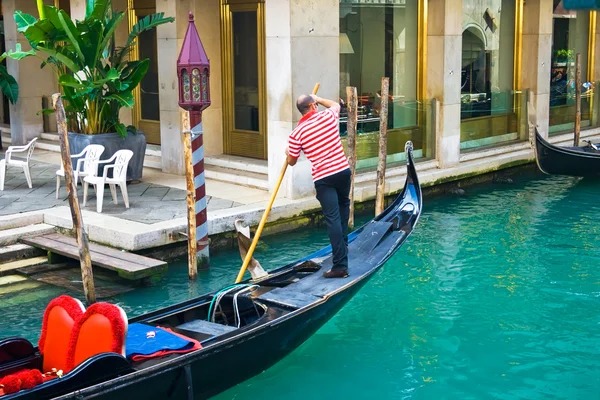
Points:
x=147, y=23
x=8, y=85
x=23, y=20
x=18, y=53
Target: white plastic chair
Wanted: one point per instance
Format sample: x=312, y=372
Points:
x=28, y=148
x=87, y=165
x=121, y=161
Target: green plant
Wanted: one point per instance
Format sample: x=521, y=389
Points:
x=564, y=54
x=96, y=76
x=8, y=84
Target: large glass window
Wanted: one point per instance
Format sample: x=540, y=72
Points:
x=490, y=112
x=570, y=35
x=376, y=41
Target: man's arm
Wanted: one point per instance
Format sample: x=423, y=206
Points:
x=290, y=160
x=334, y=106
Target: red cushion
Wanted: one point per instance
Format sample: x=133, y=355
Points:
x=58, y=322
x=102, y=329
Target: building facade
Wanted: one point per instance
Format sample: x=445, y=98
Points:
x=461, y=72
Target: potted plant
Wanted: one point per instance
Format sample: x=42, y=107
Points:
x=96, y=76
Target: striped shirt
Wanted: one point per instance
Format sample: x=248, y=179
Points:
x=317, y=135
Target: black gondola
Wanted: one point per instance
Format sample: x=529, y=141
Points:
x=573, y=161
x=288, y=306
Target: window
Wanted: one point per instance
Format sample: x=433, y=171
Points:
x=376, y=41
x=489, y=106
x=570, y=35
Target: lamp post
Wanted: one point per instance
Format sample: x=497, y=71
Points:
x=193, y=72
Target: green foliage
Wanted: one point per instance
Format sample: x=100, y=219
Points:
x=564, y=54
x=8, y=85
x=96, y=76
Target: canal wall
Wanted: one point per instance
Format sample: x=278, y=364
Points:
x=167, y=239
x=495, y=165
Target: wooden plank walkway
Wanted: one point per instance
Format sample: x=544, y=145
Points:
x=127, y=265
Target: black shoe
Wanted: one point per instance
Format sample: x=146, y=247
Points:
x=336, y=273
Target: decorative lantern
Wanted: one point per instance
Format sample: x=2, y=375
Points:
x=193, y=72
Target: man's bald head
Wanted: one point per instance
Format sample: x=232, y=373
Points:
x=304, y=103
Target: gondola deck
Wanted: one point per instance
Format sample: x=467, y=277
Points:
x=284, y=310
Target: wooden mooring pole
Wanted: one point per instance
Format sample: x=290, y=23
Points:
x=191, y=197
x=383, y=121
x=87, y=275
x=351, y=125
x=577, y=99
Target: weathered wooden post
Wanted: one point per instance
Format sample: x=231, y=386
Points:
x=351, y=125
x=383, y=121
x=191, y=196
x=87, y=275
x=577, y=99
x=193, y=72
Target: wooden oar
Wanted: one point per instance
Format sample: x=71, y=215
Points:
x=261, y=225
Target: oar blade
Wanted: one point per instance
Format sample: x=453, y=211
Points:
x=244, y=241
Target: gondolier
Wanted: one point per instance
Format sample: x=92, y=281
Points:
x=317, y=135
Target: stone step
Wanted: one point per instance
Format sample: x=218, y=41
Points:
x=50, y=145
x=153, y=150
x=12, y=236
x=17, y=286
x=20, y=220
x=238, y=163
x=51, y=136
x=51, y=142
x=18, y=251
x=239, y=177
x=153, y=162
x=5, y=138
x=14, y=265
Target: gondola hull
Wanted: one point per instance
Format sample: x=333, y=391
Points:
x=572, y=161
x=284, y=310
x=224, y=367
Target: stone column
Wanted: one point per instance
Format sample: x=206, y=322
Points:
x=444, y=57
x=170, y=38
x=78, y=10
x=207, y=17
x=121, y=34
x=302, y=46
x=536, y=58
x=34, y=83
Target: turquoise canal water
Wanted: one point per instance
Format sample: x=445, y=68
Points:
x=495, y=295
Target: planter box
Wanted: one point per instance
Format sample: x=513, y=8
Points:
x=112, y=142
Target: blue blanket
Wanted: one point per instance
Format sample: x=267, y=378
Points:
x=145, y=340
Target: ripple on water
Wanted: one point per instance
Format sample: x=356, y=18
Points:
x=495, y=295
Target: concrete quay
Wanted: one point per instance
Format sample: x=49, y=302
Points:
x=157, y=215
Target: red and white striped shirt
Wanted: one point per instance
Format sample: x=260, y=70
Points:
x=317, y=135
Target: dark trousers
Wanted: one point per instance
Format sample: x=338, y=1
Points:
x=333, y=194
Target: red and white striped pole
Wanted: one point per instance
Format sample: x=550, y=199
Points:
x=202, y=253
x=193, y=72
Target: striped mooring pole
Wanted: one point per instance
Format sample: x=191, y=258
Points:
x=202, y=253
x=193, y=72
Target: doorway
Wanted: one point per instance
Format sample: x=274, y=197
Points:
x=146, y=111
x=244, y=88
